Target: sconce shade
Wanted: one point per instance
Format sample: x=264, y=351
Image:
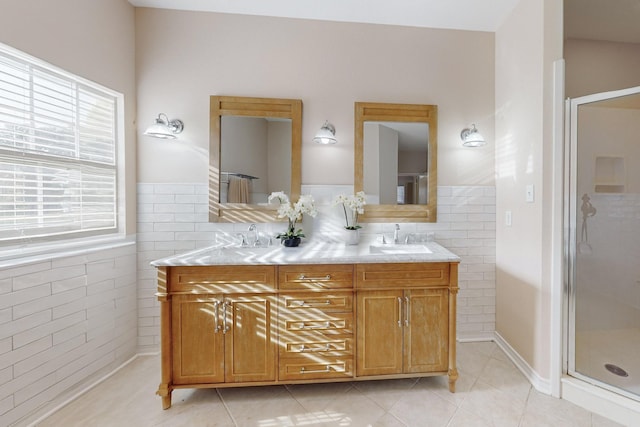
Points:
x=471, y=137
x=326, y=134
x=164, y=128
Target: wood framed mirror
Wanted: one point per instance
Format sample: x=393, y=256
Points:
x=396, y=161
x=254, y=149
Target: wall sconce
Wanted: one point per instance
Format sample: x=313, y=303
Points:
x=471, y=137
x=165, y=128
x=326, y=134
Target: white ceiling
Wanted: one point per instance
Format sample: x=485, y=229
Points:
x=477, y=15
x=611, y=20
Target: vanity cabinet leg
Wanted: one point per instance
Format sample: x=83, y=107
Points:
x=164, y=389
x=165, y=393
x=166, y=402
x=453, y=294
x=453, y=376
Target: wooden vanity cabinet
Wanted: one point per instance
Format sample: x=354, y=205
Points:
x=406, y=319
x=218, y=326
x=402, y=332
x=265, y=324
x=223, y=338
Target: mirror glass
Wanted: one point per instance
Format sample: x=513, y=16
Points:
x=254, y=151
x=395, y=161
x=395, y=169
x=255, y=156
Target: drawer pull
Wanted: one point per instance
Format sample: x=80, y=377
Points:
x=304, y=371
x=317, y=349
x=303, y=277
x=311, y=304
x=325, y=325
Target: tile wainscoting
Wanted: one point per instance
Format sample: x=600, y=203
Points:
x=65, y=322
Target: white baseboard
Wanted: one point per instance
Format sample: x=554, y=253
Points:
x=474, y=336
x=541, y=384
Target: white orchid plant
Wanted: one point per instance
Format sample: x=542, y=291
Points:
x=304, y=205
x=352, y=206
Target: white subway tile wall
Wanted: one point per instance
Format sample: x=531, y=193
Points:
x=173, y=218
x=64, y=323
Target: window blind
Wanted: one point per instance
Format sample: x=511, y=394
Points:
x=58, y=167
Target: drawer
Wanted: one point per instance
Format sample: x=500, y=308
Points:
x=220, y=279
x=315, y=367
x=315, y=277
x=404, y=275
x=320, y=346
x=337, y=323
x=302, y=304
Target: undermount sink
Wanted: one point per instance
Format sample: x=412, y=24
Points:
x=399, y=249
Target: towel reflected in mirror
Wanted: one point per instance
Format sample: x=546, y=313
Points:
x=238, y=190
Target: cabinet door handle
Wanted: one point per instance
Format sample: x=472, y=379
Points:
x=225, y=327
x=303, y=277
x=399, y=312
x=407, y=312
x=216, y=306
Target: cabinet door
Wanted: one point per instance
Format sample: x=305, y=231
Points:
x=250, y=341
x=426, y=338
x=198, y=348
x=379, y=332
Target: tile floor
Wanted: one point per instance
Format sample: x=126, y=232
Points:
x=490, y=392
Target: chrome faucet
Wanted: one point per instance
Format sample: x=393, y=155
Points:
x=396, y=239
x=256, y=237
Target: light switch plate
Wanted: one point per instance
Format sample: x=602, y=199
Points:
x=529, y=196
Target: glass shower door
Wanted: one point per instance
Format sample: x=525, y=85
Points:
x=604, y=240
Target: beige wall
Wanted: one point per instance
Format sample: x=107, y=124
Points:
x=184, y=57
x=93, y=39
x=597, y=66
x=525, y=50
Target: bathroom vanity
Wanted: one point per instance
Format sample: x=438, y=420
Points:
x=321, y=312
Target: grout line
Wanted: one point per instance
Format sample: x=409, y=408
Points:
x=226, y=407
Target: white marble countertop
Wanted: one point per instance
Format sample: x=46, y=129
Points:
x=311, y=252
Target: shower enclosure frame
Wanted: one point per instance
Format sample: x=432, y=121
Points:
x=572, y=230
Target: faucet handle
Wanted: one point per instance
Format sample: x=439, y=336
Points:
x=384, y=240
x=244, y=240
